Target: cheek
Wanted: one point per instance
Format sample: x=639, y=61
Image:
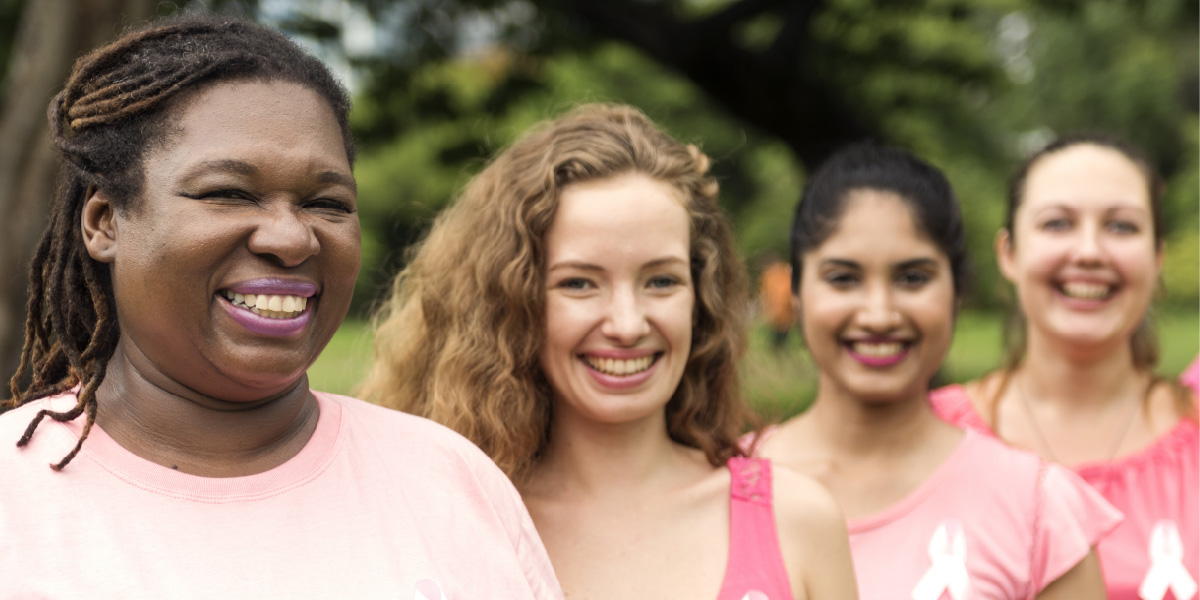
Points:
x=1039, y=257
x=567, y=323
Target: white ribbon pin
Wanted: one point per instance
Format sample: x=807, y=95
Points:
x=428, y=589
x=948, y=571
x=1166, y=565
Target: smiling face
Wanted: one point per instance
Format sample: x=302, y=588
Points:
x=877, y=301
x=1082, y=253
x=237, y=264
x=619, y=299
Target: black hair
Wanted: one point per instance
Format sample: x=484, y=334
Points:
x=118, y=102
x=921, y=186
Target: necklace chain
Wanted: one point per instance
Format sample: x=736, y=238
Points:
x=1045, y=443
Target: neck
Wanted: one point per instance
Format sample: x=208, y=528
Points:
x=1068, y=378
x=853, y=427
x=169, y=424
x=602, y=460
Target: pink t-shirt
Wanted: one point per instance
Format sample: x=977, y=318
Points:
x=378, y=504
x=1156, y=488
x=755, y=569
x=990, y=523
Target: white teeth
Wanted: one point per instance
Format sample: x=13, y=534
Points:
x=271, y=306
x=1086, y=291
x=878, y=350
x=619, y=367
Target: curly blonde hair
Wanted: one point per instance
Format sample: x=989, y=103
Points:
x=459, y=339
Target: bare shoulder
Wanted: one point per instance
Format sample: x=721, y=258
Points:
x=801, y=503
x=812, y=537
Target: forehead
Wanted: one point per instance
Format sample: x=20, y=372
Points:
x=876, y=225
x=251, y=116
x=619, y=216
x=1085, y=175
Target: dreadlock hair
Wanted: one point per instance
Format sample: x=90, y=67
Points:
x=117, y=104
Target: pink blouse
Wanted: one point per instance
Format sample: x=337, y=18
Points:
x=1154, y=552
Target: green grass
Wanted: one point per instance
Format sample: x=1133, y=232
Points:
x=781, y=384
x=345, y=361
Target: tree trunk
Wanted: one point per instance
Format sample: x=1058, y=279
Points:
x=51, y=35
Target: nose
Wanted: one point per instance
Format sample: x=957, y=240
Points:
x=626, y=322
x=1089, y=247
x=283, y=234
x=878, y=312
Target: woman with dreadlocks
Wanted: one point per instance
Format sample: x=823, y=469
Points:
x=201, y=251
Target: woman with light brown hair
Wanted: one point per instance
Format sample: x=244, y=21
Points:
x=1083, y=247
x=579, y=314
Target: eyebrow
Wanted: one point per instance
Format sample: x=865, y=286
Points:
x=908, y=264
x=244, y=168
x=586, y=266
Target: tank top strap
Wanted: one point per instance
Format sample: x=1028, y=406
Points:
x=755, y=568
x=750, y=480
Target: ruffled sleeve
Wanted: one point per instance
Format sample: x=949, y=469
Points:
x=1191, y=375
x=1071, y=518
x=953, y=405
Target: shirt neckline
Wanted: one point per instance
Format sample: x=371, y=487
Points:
x=918, y=495
x=306, y=465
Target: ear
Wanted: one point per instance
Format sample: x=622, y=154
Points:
x=98, y=222
x=1004, y=255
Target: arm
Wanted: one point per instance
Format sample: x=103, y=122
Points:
x=812, y=537
x=1083, y=581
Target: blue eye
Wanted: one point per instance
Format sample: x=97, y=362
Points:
x=663, y=282
x=1122, y=227
x=575, y=283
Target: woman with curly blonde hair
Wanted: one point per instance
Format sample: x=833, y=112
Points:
x=578, y=313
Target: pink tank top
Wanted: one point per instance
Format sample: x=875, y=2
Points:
x=755, y=570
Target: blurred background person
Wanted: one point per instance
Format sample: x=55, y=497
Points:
x=1083, y=246
x=879, y=268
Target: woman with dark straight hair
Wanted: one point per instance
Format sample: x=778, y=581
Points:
x=879, y=268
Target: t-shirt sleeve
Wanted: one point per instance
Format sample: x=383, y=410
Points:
x=1072, y=518
x=530, y=551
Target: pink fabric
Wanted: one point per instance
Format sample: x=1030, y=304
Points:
x=1191, y=375
x=1159, y=483
x=378, y=504
x=755, y=569
x=1003, y=519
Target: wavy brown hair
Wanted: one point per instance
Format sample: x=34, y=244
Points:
x=459, y=339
